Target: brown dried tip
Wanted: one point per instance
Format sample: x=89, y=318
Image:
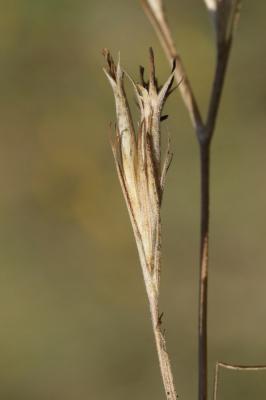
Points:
x=152, y=81
x=174, y=64
x=111, y=65
x=152, y=64
x=142, y=79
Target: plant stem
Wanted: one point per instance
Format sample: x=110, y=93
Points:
x=164, y=361
x=205, y=138
x=232, y=367
x=152, y=283
x=203, y=280
x=222, y=58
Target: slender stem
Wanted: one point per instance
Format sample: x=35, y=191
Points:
x=232, y=367
x=216, y=380
x=204, y=144
x=204, y=259
x=205, y=139
x=152, y=282
x=164, y=360
x=223, y=53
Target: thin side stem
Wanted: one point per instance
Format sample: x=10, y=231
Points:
x=204, y=260
x=216, y=380
x=223, y=53
x=232, y=367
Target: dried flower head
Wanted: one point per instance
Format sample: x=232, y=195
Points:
x=142, y=175
x=138, y=155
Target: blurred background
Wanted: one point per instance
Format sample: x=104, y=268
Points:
x=74, y=317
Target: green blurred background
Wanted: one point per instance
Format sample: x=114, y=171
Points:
x=74, y=317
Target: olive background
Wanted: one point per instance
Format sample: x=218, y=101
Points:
x=74, y=320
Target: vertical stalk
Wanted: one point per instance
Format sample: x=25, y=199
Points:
x=203, y=281
x=205, y=138
x=164, y=360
